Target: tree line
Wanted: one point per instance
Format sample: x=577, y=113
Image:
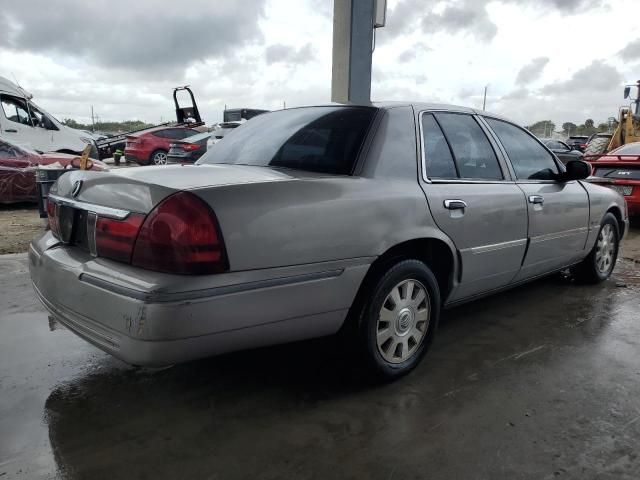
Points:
x=107, y=127
x=545, y=128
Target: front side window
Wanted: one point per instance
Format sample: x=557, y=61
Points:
x=437, y=156
x=15, y=109
x=317, y=139
x=529, y=159
x=474, y=155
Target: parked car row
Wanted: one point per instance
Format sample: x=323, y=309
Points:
x=368, y=220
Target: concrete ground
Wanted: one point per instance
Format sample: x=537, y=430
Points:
x=539, y=382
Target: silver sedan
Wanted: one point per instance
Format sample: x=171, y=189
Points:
x=365, y=220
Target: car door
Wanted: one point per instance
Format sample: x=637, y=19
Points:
x=558, y=211
x=473, y=199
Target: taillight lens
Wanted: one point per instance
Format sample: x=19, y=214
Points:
x=190, y=147
x=53, y=218
x=115, y=239
x=181, y=235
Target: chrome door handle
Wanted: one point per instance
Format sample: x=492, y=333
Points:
x=455, y=204
x=536, y=199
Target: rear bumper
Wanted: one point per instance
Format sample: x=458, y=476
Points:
x=181, y=158
x=151, y=319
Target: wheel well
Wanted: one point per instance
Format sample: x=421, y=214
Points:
x=616, y=213
x=435, y=253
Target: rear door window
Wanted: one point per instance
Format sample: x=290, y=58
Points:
x=529, y=159
x=437, y=155
x=473, y=154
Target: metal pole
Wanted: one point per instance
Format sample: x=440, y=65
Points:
x=484, y=101
x=93, y=124
x=352, y=51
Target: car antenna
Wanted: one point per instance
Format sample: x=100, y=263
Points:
x=26, y=100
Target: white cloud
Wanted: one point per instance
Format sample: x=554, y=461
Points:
x=263, y=52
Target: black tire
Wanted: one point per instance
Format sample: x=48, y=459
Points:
x=597, y=146
x=369, y=319
x=591, y=270
x=152, y=157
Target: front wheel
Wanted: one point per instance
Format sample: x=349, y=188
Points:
x=159, y=157
x=398, y=321
x=600, y=262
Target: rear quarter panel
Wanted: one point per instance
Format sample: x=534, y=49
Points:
x=601, y=200
x=305, y=221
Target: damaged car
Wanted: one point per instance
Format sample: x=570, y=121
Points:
x=306, y=222
x=18, y=164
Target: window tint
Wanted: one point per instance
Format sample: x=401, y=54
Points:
x=473, y=153
x=172, y=133
x=437, y=156
x=318, y=139
x=529, y=159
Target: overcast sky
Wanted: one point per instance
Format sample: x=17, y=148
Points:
x=563, y=60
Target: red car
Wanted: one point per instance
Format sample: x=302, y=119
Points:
x=151, y=146
x=17, y=170
x=620, y=169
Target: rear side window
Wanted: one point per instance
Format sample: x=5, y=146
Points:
x=474, y=155
x=173, y=133
x=529, y=159
x=437, y=156
x=317, y=139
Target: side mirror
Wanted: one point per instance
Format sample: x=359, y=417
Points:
x=576, y=170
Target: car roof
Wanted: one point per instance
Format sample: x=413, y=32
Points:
x=418, y=106
x=157, y=129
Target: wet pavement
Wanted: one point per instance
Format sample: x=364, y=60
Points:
x=539, y=382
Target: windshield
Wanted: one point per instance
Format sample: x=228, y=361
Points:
x=630, y=149
x=317, y=139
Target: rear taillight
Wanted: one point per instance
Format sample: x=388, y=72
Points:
x=115, y=239
x=181, y=235
x=190, y=147
x=53, y=217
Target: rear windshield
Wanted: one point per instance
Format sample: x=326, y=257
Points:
x=316, y=139
x=630, y=149
x=197, y=137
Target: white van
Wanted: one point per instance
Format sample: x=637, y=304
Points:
x=24, y=123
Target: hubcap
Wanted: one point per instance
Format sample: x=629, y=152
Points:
x=160, y=158
x=403, y=321
x=605, y=249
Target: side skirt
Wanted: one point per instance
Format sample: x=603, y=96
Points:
x=506, y=287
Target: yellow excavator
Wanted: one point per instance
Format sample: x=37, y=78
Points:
x=628, y=129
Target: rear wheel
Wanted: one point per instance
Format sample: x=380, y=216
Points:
x=600, y=262
x=398, y=321
x=597, y=146
x=159, y=157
